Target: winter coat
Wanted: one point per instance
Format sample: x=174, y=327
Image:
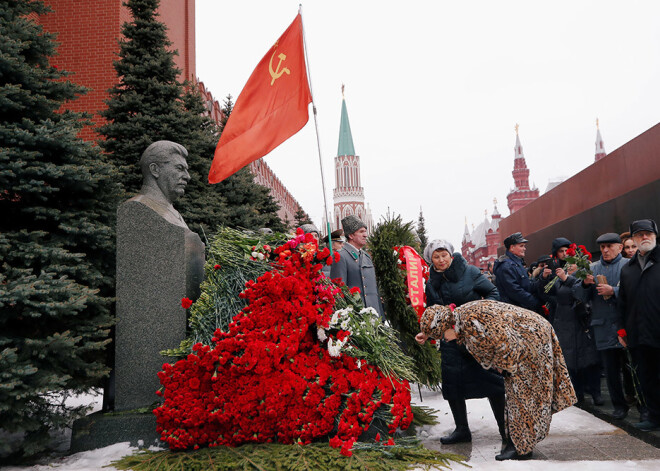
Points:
x=513, y=283
x=462, y=376
x=355, y=268
x=572, y=329
x=524, y=346
x=639, y=300
x=604, y=314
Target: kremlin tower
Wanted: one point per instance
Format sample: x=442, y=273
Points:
x=522, y=193
x=479, y=247
x=600, y=146
x=348, y=194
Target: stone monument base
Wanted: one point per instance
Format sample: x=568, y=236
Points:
x=100, y=429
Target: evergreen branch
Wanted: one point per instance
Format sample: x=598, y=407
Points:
x=407, y=453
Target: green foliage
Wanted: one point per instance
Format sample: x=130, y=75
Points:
x=230, y=250
x=423, y=415
x=421, y=232
x=406, y=454
x=301, y=217
x=391, y=232
x=372, y=340
x=56, y=242
x=150, y=104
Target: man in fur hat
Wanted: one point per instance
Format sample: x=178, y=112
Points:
x=355, y=267
x=638, y=303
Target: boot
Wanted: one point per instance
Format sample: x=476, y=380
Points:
x=498, y=404
x=510, y=453
x=462, y=433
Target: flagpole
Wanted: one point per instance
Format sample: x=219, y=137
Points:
x=316, y=125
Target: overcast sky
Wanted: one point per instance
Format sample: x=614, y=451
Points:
x=435, y=88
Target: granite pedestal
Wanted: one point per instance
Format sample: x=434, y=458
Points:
x=158, y=264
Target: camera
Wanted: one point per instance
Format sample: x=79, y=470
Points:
x=553, y=264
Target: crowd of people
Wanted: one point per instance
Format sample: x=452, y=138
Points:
x=535, y=339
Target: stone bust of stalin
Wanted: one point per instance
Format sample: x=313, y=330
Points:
x=165, y=176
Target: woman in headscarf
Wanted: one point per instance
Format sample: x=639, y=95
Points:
x=522, y=345
x=453, y=281
x=570, y=320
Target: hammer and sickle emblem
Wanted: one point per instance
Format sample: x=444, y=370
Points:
x=277, y=73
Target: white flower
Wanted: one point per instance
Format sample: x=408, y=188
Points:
x=260, y=256
x=344, y=324
x=334, y=349
x=399, y=262
x=254, y=254
x=369, y=310
x=359, y=364
x=321, y=334
x=395, y=253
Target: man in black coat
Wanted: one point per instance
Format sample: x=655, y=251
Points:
x=511, y=277
x=639, y=312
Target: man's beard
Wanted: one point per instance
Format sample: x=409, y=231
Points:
x=646, y=246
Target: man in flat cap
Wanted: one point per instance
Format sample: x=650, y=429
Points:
x=602, y=289
x=639, y=313
x=355, y=267
x=511, y=277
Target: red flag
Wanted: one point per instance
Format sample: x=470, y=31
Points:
x=271, y=108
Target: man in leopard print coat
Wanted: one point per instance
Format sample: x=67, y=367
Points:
x=524, y=347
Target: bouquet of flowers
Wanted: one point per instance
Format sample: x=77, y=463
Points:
x=363, y=335
x=579, y=256
x=270, y=378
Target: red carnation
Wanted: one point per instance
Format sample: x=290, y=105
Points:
x=389, y=442
x=346, y=451
x=545, y=309
x=335, y=442
x=337, y=256
x=622, y=333
x=216, y=267
x=342, y=334
x=328, y=261
x=299, y=231
x=194, y=383
x=186, y=303
x=378, y=437
x=354, y=290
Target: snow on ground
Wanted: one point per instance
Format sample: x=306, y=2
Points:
x=569, y=422
x=572, y=421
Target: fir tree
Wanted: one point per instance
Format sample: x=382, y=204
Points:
x=56, y=243
x=421, y=232
x=301, y=217
x=249, y=205
x=149, y=104
x=287, y=223
x=145, y=106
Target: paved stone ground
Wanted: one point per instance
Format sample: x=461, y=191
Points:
x=567, y=442
x=603, y=412
x=612, y=446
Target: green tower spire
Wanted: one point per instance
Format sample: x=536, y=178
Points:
x=345, y=136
